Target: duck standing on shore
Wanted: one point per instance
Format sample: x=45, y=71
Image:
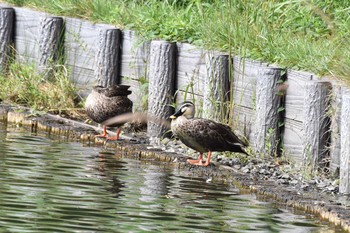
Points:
x=104, y=103
x=203, y=135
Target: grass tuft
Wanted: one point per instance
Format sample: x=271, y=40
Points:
x=309, y=35
x=22, y=85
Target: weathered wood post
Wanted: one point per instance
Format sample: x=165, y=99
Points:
x=50, y=44
x=161, y=84
x=316, y=123
x=336, y=103
x=344, y=185
x=108, y=57
x=216, y=87
x=7, y=16
x=268, y=102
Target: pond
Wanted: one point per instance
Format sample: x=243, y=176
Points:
x=51, y=185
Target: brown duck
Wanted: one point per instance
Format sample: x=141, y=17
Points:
x=104, y=103
x=203, y=135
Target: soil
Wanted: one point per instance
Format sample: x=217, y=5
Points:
x=270, y=178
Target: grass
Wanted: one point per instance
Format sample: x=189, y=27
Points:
x=309, y=35
x=21, y=84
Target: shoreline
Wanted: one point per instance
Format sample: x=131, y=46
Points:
x=260, y=177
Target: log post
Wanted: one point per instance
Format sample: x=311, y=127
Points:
x=316, y=124
x=216, y=87
x=7, y=16
x=344, y=184
x=267, y=135
x=108, y=58
x=50, y=44
x=161, y=84
x=336, y=102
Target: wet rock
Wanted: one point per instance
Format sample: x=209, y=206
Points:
x=264, y=171
x=237, y=166
x=245, y=169
x=332, y=188
x=285, y=176
x=294, y=182
x=283, y=181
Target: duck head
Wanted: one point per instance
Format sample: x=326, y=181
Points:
x=186, y=109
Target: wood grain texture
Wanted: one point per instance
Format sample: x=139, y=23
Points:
x=50, y=44
x=162, y=68
x=267, y=134
x=344, y=185
x=245, y=73
x=134, y=56
x=108, y=58
x=294, y=114
x=191, y=68
x=27, y=35
x=335, y=111
x=81, y=46
x=216, y=87
x=7, y=15
x=316, y=124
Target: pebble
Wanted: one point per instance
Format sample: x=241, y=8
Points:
x=255, y=166
x=294, y=182
x=285, y=176
x=245, y=170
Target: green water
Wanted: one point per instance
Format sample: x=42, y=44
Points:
x=55, y=186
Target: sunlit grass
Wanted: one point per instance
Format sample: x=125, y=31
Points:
x=311, y=35
x=23, y=85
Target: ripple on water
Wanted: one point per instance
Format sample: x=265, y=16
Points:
x=54, y=186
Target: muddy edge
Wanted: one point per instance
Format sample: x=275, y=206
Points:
x=325, y=206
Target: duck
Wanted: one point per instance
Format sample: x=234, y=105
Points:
x=203, y=135
x=104, y=103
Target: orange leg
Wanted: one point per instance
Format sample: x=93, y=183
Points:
x=104, y=135
x=208, y=159
x=115, y=137
x=198, y=161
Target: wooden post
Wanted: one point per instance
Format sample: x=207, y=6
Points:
x=108, y=58
x=268, y=102
x=335, y=128
x=344, y=185
x=50, y=44
x=316, y=123
x=6, y=36
x=216, y=87
x=161, y=84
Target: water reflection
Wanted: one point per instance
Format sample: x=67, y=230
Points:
x=56, y=186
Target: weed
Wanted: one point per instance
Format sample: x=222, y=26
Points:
x=299, y=34
x=23, y=85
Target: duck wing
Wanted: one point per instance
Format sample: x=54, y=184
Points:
x=117, y=90
x=212, y=135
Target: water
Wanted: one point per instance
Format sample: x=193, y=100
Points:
x=55, y=186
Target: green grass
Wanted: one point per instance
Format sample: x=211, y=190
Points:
x=22, y=85
x=310, y=35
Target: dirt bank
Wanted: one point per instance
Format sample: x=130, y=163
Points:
x=263, y=177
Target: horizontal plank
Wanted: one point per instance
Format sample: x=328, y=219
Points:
x=191, y=67
x=27, y=34
x=294, y=99
x=293, y=139
x=134, y=56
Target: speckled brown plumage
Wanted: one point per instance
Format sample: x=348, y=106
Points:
x=203, y=135
x=105, y=103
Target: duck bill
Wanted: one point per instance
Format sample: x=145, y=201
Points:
x=176, y=114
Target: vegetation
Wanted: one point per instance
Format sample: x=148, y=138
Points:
x=23, y=85
x=299, y=34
